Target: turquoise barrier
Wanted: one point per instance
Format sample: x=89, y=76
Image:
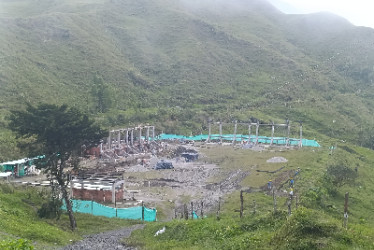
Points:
x=94, y=208
x=239, y=137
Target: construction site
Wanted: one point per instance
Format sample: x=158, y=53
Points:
x=133, y=167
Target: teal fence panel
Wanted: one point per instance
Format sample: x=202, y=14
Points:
x=134, y=213
x=101, y=210
x=97, y=209
x=82, y=206
x=195, y=216
x=239, y=137
x=150, y=214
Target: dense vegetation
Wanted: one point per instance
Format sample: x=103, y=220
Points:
x=177, y=63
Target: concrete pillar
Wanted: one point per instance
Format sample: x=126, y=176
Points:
x=288, y=134
x=272, y=134
x=235, y=130
x=114, y=193
x=110, y=140
x=147, y=135
x=257, y=126
x=119, y=138
x=132, y=137
x=209, y=131
x=220, y=131
x=301, y=135
x=249, y=133
x=140, y=135
x=127, y=137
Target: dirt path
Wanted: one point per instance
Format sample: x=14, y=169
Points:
x=106, y=240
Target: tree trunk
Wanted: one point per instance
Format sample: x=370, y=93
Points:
x=69, y=208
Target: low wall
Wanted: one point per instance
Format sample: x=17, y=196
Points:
x=97, y=195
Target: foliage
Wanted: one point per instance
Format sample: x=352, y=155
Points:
x=315, y=197
x=18, y=210
x=102, y=95
x=340, y=175
x=308, y=229
x=175, y=72
x=58, y=134
x=59, y=131
x=19, y=244
x=51, y=209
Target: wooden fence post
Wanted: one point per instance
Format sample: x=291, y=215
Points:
x=219, y=208
x=142, y=211
x=274, y=200
x=202, y=208
x=191, y=210
x=241, y=203
x=254, y=206
x=185, y=212
x=289, y=206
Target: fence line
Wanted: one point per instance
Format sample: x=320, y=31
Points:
x=97, y=209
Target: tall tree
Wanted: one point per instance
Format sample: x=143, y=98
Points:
x=102, y=95
x=58, y=133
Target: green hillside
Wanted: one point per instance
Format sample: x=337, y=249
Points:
x=177, y=63
x=317, y=223
x=19, y=220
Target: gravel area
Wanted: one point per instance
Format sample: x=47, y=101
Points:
x=277, y=160
x=106, y=240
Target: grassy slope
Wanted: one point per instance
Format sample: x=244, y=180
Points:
x=317, y=224
x=19, y=220
x=175, y=64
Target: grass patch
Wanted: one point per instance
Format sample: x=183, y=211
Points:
x=18, y=210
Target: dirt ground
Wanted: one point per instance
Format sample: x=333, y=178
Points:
x=169, y=189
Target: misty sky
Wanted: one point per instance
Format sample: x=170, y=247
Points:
x=358, y=12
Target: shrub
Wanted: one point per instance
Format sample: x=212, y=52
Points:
x=308, y=229
x=340, y=175
x=19, y=244
x=51, y=209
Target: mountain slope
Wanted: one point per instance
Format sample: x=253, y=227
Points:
x=181, y=62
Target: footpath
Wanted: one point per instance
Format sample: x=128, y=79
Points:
x=106, y=240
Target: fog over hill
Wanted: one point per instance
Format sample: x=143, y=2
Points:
x=177, y=63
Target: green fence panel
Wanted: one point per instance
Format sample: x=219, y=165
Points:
x=150, y=214
x=239, y=137
x=134, y=213
x=97, y=209
x=81, y=206
x=101, y=210
x=195, y=216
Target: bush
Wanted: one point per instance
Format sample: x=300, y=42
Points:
x=51, y=209
x=19, y=244
x=308, y=229
x=340, y=175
